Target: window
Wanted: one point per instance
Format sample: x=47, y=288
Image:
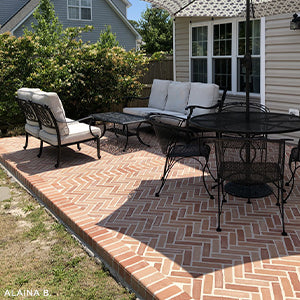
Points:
x=217, y=53
x=80, y=9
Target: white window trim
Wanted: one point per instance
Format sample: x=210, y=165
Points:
x=80, y=6
x=234, y=22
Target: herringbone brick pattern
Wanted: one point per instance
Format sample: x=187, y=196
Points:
x=166, y=247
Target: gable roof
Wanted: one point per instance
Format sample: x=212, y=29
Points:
x=9, y=8
x=14, y=17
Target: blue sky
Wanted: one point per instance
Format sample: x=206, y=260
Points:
x=135, y=10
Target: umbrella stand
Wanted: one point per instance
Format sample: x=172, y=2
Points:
x=247, y=58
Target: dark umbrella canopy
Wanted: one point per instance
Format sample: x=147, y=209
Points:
x=230, y=8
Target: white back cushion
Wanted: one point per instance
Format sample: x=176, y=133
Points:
x=204, y=94
x=26, y=93
x=159, y=92
x=178, y=94
x=53, y=102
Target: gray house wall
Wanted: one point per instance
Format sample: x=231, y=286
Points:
x=121, y=6
x=102, y=14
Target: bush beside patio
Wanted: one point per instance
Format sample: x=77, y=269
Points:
x=88, y=77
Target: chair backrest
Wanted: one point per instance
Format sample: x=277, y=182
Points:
x=29, y=112
x=250, y=161
x=241, y=106
x=168, y=131
x=23, y=96
x=46, y=117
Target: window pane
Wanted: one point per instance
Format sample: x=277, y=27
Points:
x=73, y=13
x=86, y=3
x=199, y=70
x=254, y=37
x=222, y=39
x=199, y=41
x=254, y=76
x=86, y=14
x=73, y=2
x=222, y=72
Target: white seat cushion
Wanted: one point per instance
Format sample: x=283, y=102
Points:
x=159, y=92
x=53, y=102
x=204, y=94
x=77, y=132
x=32, y=130
x=178, y=93
x=141, y=111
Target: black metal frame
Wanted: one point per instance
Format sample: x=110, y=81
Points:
x=177, y=143
x=249, y=161
x=30, y=115
x=124, y=131
x=43, y=115
x=294, y=160
x=219, y=106
x=241, y=106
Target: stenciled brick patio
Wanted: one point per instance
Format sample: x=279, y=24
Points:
x=166, y=247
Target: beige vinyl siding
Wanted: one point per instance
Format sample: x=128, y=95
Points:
x=182, y=48
x=282, y=57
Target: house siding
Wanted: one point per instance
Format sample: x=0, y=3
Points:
x=102, y=14
x=282, y=66
x=121, y=6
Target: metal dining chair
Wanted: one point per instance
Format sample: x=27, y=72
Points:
x=249, y=162
x=177, y=143
x=294, y=160
x=241, y=106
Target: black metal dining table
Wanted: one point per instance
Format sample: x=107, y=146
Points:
x=256, y=123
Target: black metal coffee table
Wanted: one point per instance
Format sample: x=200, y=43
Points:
x=119, y=118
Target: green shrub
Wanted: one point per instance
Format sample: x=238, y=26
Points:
x=87, y=77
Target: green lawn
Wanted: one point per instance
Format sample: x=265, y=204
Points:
x=39, y=257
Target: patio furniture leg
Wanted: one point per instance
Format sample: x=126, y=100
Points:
x=41, y=149
x=125, y=128
x=26, y=142
x=58, y=157
x=168, y=165
x=98, y=147
x=78, y=146
x=138, y=134
x=219, y=209
x=204, y=182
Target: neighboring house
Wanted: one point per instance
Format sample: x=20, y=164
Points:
x=17, y=14
x=211, y=50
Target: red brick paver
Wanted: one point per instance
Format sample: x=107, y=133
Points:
x=166, y=247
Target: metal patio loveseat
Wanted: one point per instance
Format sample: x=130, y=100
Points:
x=46, y=120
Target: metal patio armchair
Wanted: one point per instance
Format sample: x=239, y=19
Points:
x=250, y=162
x=177, y=143
x=294, y=160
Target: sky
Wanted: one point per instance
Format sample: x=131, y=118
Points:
x=135, y=10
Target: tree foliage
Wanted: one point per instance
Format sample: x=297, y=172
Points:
x=156, y=29
x=87, y=77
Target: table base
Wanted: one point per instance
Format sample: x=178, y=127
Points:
x=246, y=191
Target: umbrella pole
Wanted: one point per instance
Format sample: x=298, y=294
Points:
x=247, y=58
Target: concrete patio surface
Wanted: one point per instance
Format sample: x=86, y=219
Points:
x=166, y=247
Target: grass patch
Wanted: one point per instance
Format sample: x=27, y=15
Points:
x=38, y=254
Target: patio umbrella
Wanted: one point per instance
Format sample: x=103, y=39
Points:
x=230, y=8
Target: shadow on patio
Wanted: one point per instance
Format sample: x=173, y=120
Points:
x=181, y=225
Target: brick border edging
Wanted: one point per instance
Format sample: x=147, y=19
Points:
x=126, y=266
